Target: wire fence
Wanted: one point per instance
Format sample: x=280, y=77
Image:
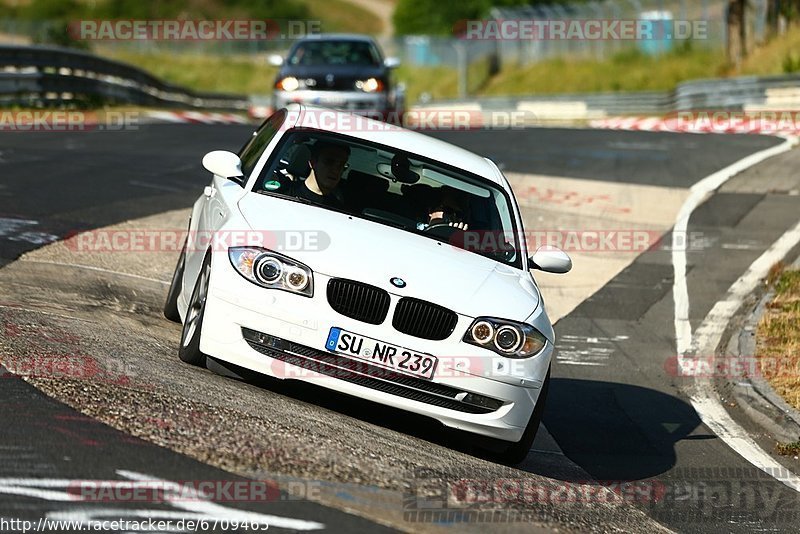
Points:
x=449, y=50
x=673, y=24
x=478, y=58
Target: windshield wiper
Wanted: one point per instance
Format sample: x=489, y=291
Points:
x=285, y=196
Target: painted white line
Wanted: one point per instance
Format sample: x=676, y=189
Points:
x=98, y=269
x=33, y=487
x=196, y=116
x=191, y=500
x=213, y=510
x=166, y=116
x=709, y=334
x=708, y=337
x=698, y=194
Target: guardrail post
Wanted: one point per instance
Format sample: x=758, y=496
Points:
x=463, y=66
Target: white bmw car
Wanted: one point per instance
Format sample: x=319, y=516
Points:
x=374, y=261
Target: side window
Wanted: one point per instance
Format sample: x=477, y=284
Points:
x=252, y=150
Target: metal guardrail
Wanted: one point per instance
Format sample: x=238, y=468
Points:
x=47, y=76
x=779, y=93
x=44, y=75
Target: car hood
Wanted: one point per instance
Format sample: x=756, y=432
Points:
x=338, y=245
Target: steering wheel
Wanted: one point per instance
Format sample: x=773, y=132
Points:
x=442, y=230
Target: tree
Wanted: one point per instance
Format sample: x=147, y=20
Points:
x=439, y=17
x=737, y=31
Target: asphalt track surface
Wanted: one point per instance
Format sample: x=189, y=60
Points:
x=71, y=184
x=626, y=421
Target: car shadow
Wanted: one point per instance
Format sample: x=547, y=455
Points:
x=617, y=431
x=388, y=417
x=612, y=431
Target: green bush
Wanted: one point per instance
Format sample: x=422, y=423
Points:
x=790, y=63
x=439, y=17
x=139, y=9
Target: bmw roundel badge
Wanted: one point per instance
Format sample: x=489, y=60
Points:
x=398, y=282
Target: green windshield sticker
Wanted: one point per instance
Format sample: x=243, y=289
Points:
x=272, y=185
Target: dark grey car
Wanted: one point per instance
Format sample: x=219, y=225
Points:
x=338, y=71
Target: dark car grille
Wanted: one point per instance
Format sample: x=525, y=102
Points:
x=359, y=301
x=364, y=374
x=339, y=83
x=423, y=319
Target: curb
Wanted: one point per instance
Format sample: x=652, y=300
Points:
x=195, y=117
x=754, y=394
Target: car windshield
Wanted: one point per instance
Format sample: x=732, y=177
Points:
x=335, y=53
x=394, y=188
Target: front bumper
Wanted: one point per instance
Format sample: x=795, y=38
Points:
x=354, y=101
x=283, y=335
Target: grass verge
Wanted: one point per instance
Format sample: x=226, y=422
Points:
x=788, y=449
x=343, y=16
x=778, y=338
x=626, y=71
x=229, y=74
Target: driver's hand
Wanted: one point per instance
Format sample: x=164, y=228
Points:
x=440, y=216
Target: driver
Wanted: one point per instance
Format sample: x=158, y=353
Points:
x=328, y=162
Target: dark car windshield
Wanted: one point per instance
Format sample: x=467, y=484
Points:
x=394, y=188
x=338, y=52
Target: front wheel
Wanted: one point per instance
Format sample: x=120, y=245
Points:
x=189, y=351
x=516, y=452
x=171, y=304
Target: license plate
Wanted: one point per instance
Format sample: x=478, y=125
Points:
x=330, y=101
x=381, y=354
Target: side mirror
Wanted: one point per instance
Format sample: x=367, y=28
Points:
x=225, y=164
x=391, y=62
x=276, y=60
x=551, y=260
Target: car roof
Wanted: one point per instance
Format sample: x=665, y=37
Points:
x=337, y=37
x=367, y=129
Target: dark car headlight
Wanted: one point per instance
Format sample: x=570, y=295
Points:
x=507, y=338
x=272, y=270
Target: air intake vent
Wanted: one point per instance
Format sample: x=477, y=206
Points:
x=423, y=319
x=359, y=301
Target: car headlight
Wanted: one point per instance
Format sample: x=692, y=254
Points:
x=370, y=85
x=507, y=338
x=272, y=270
x=290, y=83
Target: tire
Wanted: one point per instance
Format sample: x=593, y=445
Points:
x=171, y=304
x=516, y=452
x=189, y=350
